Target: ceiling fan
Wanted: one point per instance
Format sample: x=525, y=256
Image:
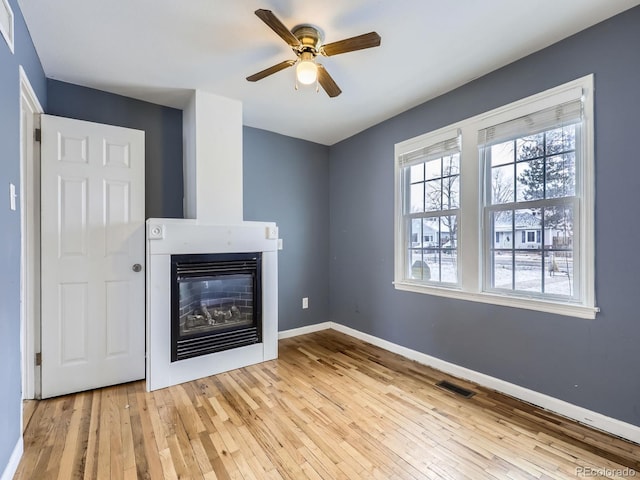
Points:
x=306, y=42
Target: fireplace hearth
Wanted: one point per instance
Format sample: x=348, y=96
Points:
x=216, y=303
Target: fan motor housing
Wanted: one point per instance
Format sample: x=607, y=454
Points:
x=310, y=37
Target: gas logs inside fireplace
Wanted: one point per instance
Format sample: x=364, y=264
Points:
x=216, y=303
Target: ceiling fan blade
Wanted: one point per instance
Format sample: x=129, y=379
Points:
x=329, y=85
x=277, y=26
x=271, y=70
x=366, y=40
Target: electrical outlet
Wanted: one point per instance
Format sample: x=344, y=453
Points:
x=305, y=302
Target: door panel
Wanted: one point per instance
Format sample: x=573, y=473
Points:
x=92, y=219
x=72, y=234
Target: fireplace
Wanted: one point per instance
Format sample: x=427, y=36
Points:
x=243, y=256
x=215, y=303
x=228, y=316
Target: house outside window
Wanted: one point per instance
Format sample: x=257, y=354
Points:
x=507, y=197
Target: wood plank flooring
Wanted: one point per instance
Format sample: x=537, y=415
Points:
x=331, y=407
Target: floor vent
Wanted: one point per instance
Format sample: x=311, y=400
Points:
x=457, y=389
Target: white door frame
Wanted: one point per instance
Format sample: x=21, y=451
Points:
x=29, y=239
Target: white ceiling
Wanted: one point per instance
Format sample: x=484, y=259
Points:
x=160, y=50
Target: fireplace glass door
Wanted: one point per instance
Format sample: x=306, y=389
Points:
x=216, y=303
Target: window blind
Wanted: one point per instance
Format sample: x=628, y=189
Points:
x=563, y=114
x=447, y=146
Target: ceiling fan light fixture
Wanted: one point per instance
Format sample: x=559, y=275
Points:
x=307, y=41
x=307, y=70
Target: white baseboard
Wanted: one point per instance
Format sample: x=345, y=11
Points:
x=294, y=332
x=574, y=412
x=14, y=461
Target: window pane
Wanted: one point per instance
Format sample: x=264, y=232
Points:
x=502, y=274
x=417, y=173
x=561, y=139
x=433, y=169
x=451, y=165
x=447, y=233
x=418, y=268
x=530, y=147
x=530, y=180
x=558, y=224
x=451, y=192
x=561, y=176
x=433, y=195
x=415, y=234
x=527, y=223
x=502, y=184
x=431, y=230
x=559, y=279
x=528, y=271
x=432, y=260
x=503, y=229
x=502, y=153
x=449, y=266
x=416, y=198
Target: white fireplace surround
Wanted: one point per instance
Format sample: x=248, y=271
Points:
x=213, y=205
x=179, y=236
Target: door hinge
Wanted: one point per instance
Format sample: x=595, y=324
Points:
x=37, y=134
x=38, y=359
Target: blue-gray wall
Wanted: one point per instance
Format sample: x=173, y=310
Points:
x=286, y=180
x=591, y=363
x=163, y=137
x=10, y=378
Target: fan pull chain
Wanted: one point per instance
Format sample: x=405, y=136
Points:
x=295, y=75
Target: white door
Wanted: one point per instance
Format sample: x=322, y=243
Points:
x=92, y=231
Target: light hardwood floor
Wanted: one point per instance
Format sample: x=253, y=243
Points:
x=331, y=407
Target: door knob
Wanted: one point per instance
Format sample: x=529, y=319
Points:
x=136, y=267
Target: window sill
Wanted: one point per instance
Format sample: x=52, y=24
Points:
x=568, y=309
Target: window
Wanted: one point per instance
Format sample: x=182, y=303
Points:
x=530, y=167
x=498, y=208
x=431, y=201
x=6, y=23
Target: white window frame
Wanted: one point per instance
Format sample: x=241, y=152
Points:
x=471, y=237
x=433, y=147
x=7, y=23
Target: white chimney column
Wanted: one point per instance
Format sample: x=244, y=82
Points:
x=212, y=129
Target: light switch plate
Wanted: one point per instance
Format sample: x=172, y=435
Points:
x=12, y=196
